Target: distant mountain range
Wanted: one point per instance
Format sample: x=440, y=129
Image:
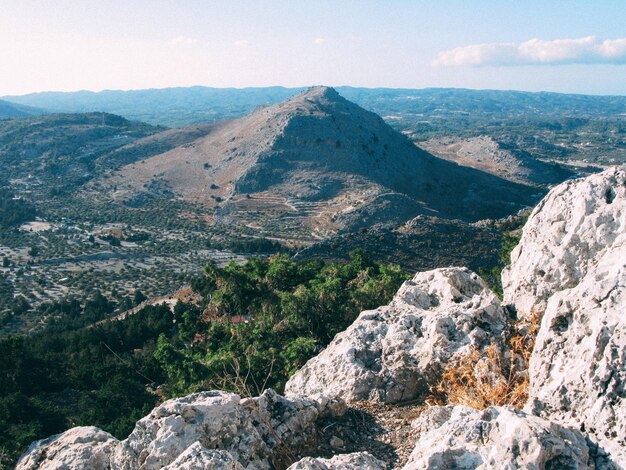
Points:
x=183, y=106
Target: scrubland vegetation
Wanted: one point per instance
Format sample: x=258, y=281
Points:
x=256, y=324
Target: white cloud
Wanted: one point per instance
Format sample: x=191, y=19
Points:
x=241, y=43
x=319, y=41
x=586, y=50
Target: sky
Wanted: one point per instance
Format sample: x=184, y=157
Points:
x=550, y=45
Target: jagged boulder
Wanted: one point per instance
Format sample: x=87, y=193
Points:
x=355, y=461
x=80, y=448
x=570, y=266
x=213, y=428
x=569, y=230
x=494, y=438
x=396, y=352
x=578, y=367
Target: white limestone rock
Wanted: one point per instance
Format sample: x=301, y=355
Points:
x=203, y=430
x=197, y=457
x=570, y=266
x=355, y=461
x=578, y=367
x=80, y=448
x=495, y=438
x=250, y=430
x=395, y=353
x=569, y=230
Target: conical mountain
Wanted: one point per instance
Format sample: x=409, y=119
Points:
x=315, y=164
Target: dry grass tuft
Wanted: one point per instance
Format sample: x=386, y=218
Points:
x=491, y=378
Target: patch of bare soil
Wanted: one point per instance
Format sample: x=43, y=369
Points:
x=382, y=430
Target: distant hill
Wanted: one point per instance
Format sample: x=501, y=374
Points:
x=59, y=152
x=183, y=106
x=312, y=165
x=506, y=161
x=12, y=110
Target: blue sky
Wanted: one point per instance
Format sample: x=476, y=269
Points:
x=567, y=46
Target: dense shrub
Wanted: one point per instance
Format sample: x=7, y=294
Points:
x=14, y=211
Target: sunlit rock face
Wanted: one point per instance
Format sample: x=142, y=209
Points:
x=497, y=437
x=218, y=429
x=568, y=232
x=570, y=266
x=396, y=352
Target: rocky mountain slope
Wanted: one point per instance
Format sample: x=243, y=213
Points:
x=60, y=152
x=574, y=417
x=508, y=162
x=547, y=125
x=68, y=149
x=316, y=164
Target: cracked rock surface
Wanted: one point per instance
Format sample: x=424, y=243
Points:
x=355, y=461
x=569, y=231
x=208, y=428
x=494, y=438
x=394, y=353
x=578, y=366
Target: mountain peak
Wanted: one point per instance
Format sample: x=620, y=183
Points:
x=320, y=91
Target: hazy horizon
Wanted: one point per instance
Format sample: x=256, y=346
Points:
x=71, y=45
x=84, y=90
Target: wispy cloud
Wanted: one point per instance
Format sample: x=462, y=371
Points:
x=319, y=41
x=587, y=50
x=241, y=43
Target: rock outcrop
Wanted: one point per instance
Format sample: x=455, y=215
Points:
x=196, y=457
x=80, y=448
x=494, y=438
x=574, y=226
x=395, y=352
x=217, y=429
x=355, y=461
x=578, y=367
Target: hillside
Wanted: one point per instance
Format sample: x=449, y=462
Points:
x=169, y=106
x=62, y=151
x=554, y=126
x=12, y=110
x=420, y=243
x=313, y=165
x=507, y=161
